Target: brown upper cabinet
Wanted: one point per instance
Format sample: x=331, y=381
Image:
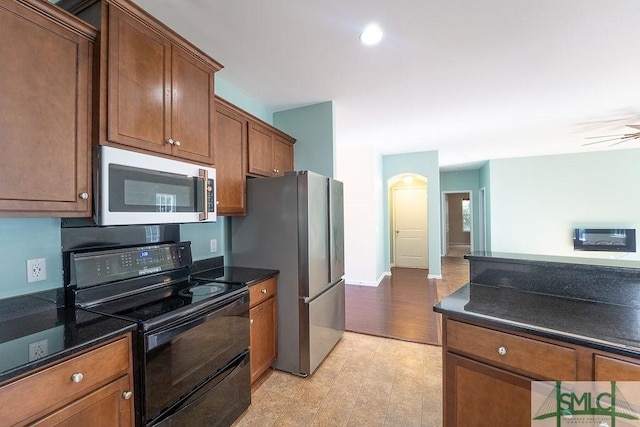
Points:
x=231, y=159
x=270, y=151
x=45, y=111
x=159, y=88
x=246, y=145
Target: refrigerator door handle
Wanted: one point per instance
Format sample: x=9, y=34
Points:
x=326, y=289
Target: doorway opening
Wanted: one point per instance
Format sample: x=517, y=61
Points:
x=457, y=223
x=409, y=221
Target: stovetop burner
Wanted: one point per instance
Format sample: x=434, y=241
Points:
x=159, y=307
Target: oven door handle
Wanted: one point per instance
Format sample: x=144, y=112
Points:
x=154, y=340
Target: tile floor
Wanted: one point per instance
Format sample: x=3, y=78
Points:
x=365, y=381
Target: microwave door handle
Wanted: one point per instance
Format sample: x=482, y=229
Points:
x=204, y=174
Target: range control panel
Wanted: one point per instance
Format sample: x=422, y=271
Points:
x=97, y=267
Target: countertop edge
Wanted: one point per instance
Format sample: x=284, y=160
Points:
x=531, y=329
x=39, y=364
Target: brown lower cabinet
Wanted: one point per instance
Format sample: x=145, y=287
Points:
x=487, y=372
x=93, y=388
x=264, y=339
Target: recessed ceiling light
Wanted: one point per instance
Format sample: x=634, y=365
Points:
x=371, y=35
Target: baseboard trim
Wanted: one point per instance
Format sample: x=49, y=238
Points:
x=367, y=282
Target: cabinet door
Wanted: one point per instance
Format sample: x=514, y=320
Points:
x=231, y=146
x=260, y=150
x=479, y=395
x=192, y=108
x=263, y=337
x=45, y=109
x=139, y=84
x=106, y=406
x=282, y=156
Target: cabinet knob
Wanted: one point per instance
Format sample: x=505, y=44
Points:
x=275, y=170
x=264, y=291
x=84, y=196
x=251, y=322
x=77, y=377
x=502, y=351
x=177, y=143
x=127, y=395
x=171, y=141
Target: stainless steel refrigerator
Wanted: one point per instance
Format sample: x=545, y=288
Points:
x=295, y=224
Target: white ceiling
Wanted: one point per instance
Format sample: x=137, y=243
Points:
x=473, y=79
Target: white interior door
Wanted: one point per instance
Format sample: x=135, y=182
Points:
x=410, y=227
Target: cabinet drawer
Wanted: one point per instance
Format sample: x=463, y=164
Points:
x=261, y=291
x=537, y=359
x=609, y=369
x=47, y=390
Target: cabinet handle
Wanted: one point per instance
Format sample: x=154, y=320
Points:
x=177, y=143
x=264, y=291
x=171, y=141
x=502, y=351
x=127, y=395
x=77, y=377
x=84, y=196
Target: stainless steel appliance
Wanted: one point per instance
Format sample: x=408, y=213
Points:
x=135, y=188
x=295, y=224
x=191, y=356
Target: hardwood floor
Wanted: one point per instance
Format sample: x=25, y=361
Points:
x=401, y=306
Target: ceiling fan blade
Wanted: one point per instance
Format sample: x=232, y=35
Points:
x=622, y=139
x=605, y=136
x=626, y=138
x=634, y=126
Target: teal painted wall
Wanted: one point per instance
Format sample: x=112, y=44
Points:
x=467, y=180
x=242, y=100
x=27, y=238
x=484, y=176
x=536, y=202
x=312, y=127
x=426, y=164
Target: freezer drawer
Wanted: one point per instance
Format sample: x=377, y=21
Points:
x=326, y=326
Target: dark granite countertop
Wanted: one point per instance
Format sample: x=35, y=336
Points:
x=246, y=275
x=604, y=326
x=33, y=318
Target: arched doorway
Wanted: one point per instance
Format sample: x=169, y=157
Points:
x=409, y=220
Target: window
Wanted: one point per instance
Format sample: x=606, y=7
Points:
x=466, y=215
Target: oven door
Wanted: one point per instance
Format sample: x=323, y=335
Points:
x=219, y=402
x=180, y=358
x=135, y=188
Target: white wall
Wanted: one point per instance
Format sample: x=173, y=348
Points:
x=358, y=168
x=536, y=202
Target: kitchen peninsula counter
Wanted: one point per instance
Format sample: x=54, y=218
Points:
x=38, y=317
x=584, y=301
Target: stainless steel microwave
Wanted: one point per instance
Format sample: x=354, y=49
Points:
x=135, y=188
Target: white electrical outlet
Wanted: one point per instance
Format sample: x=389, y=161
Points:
x=214, y=245
x=38, y=349
x=36, y=270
